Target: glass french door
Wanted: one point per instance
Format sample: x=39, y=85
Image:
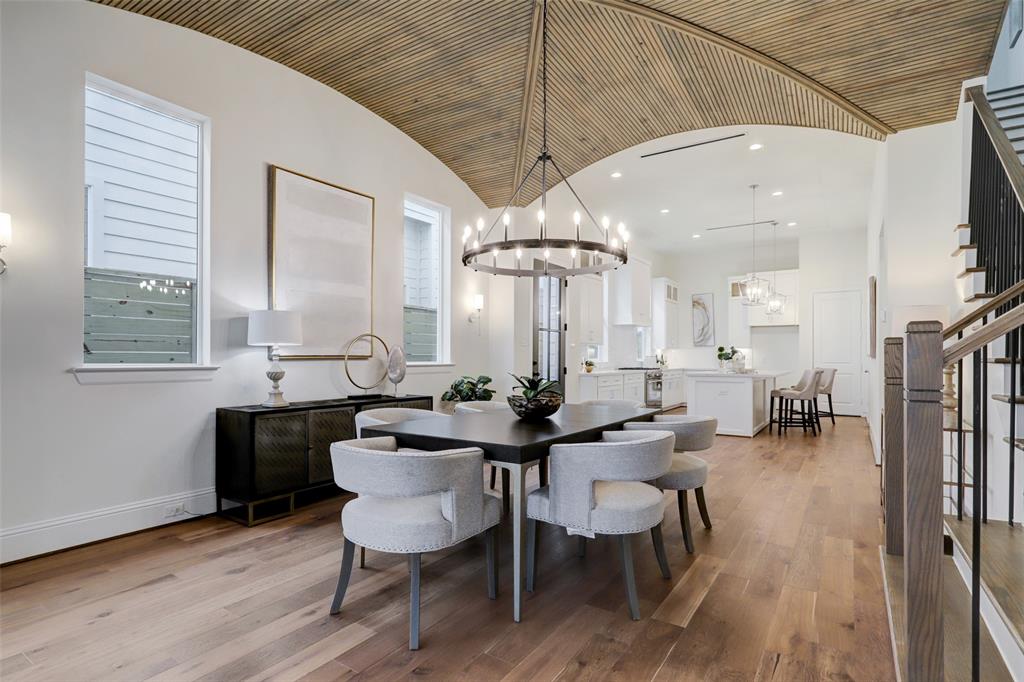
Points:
x=549, y=329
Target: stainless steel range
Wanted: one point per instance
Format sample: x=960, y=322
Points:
x=652, y=384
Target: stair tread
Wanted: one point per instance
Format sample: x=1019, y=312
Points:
x=962, y=226
x=970, y=271
x=1009, y=88
x=1002, y=566
x=1017, y=442
x=956, y=623
x=1003, y=361
x=1004, y=398
x=981, y=295
x=964, y=247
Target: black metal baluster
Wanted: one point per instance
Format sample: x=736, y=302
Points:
x=984, y=430
x=976, y=526
x=1011, y=347
x=960, y=436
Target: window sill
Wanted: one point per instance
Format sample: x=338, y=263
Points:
x=429, y=367
x=141, y=374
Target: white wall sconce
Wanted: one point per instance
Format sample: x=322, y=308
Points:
x=5, y=238
x=478, y=306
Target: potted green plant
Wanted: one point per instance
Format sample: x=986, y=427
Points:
x=588, y=366
x=725, y=356
x=465, y=389
x=539, y=398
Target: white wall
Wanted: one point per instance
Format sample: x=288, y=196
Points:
x=82, y=462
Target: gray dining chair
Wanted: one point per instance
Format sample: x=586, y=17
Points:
x=632, y=404
x=825, y=383
x=693, y=433
x=390, y=415
x=412, y=502
x=600, y=489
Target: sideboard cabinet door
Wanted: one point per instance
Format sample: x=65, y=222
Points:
x=326, y=427
x=280, y=453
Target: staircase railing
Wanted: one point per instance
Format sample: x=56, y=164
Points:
x=914, y=363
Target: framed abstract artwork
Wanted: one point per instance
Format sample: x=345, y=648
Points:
x=320, y=261
x=703, y=316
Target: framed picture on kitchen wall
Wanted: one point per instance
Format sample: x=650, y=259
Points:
x=320, y=260
x=703, y=319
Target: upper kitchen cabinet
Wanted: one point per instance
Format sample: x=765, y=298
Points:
x=665, y=313
x=588, y=293
x=630, y=291
x=787, y=283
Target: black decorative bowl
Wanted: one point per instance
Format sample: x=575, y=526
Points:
x=535, y=409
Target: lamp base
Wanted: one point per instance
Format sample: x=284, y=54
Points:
x=275, y=398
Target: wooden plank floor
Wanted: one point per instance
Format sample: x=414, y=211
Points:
x=786, y=586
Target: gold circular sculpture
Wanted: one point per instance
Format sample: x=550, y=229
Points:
x=348, y=349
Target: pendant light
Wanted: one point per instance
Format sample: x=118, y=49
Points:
x=775, y=303
x=575, y=255
x=753, y=289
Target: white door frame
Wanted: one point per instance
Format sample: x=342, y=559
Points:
x=861, y=410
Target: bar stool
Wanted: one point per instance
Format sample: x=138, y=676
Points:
x=777, y=393
x=806, y=395
x=828, y=377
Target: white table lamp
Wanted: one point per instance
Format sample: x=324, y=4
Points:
x=275, y=328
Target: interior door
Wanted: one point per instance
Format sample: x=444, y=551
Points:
x=838, y=345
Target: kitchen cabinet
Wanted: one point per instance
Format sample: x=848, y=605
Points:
x=739, y=325
x=673, y=391
x=589, y=295
x=630, y=289
x=665, y=313
x=633, y=387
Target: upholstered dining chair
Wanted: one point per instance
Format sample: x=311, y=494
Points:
x=600, y=489
x=614, y=403
x=412, y=502
x=805, y=392
x=828, y=378
x=390, y=415
x=688, y=472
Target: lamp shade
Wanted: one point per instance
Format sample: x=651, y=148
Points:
x=5, y=229
x=275, y=328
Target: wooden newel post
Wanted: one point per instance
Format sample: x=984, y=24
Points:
x=922, y=505
x=892, y=465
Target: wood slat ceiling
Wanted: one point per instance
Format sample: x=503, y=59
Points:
x=461, y=76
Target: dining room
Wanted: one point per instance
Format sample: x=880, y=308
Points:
x=533, y=339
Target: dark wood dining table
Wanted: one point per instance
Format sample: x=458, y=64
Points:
x=514, y=445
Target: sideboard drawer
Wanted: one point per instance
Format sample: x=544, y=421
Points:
x=326, y=427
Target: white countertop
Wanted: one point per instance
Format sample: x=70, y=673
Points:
x=610, y=372
x=756, y=374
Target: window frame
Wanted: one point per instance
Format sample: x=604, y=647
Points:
x=444, y=294
x=162, y=371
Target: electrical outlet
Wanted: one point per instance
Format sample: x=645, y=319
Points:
x=173, y=510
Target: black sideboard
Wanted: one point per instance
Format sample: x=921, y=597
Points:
x=272, y=459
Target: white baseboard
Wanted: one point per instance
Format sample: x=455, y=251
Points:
x=40, y=537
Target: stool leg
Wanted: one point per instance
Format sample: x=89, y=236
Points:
x=831, y=411
x=684, y=520
x=702, y=507
x=803, y=416
x=817, y=413
x=771, y=413
x=494, y=475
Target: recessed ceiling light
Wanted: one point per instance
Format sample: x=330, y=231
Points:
x=696, y=236
x=616, y=174
x=790, y=224
x=777, y=193
x=754, y=147
x=664, y=210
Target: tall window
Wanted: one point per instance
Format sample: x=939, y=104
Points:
x=143, y=208
x=425, y=322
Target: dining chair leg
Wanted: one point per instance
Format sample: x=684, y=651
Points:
x=684, y=520
x=362, y=557
x=831, y=411
x=659, y=551
x=702, y=507
x=531, y=553
x=491, y=538
x=581, y=546
x=414, y=601
x=347, y=554
x=506, y=499
x=628, y=576
x=494, y=475
x=771, y=413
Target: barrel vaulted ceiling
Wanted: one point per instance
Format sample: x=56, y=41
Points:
x=462, y=77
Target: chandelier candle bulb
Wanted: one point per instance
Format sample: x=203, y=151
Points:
x=479, y=225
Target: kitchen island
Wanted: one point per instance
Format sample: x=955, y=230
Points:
x=739, y=401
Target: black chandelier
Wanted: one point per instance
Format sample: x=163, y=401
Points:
x=565, y=256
